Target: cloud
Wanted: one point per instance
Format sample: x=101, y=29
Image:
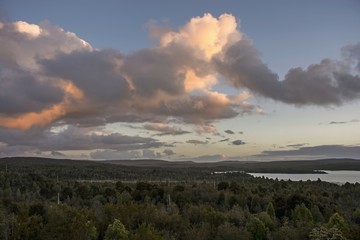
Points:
x=86, y=70
x=50, y=77
x=47, y=58
x=196, y=142
x=23, y=44
x=224, y=140
x=62, y=78
x=164, y=129
x=229, y=132
x=297, y=145
x=150, y=154
x=326, y=83
x=57, y=154
x=207, y=35
x=72, y=138
x=238, y=142
x=203, y=108
x=168, y=152
x=18, y=87
x=343, y=122
x=32, y=30
x=207, y=128
x=124, y=155
x=352, y=53
x=321, y=151
x=336, y=122
x=27, y=97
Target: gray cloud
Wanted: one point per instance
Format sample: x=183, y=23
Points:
x=326, y=83
x=146, y=70
x=124, y=155
x=168, y=152
x=343, y=122
x=57, y=154
x=352, y=53
x=150, y=154
x=196, y=142
x=224, y=140
x=96, y=73
x=336, y=122
x=242, y=66
x=229, y=132
x=23, y=88
x=73, y=139
x=297, y=145
x=197, y=109
x=238, y=142
x=21, y=92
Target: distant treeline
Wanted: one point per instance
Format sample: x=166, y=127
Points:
x=304, y=166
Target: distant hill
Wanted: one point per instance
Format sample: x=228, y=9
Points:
x=304, y=166
x=299, y=166
x=29, y=161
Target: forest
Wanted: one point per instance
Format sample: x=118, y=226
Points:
x=41, y=199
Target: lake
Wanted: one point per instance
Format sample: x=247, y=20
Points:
x=339, y=177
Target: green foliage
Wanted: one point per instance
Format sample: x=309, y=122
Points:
x=270, y=210
x=199, y=231
x=356, y=216
x=91, y=231
x=266, y=219
x=324, y=233
x=336, y=220
x=176, y=204
x=228, y=231
x=65, y=222
x=146, y=232
x=317, y=215
x=302, y=216
x=222, y=186
x=116, y=231
x=257, y=229
x=234, y=187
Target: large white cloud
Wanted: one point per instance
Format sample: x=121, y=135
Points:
x=70, y=81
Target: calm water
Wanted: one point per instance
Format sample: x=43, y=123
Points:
x=340, y=177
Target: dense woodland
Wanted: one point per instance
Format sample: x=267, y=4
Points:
x=73, y=200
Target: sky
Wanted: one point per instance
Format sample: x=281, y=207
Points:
x=180, y=80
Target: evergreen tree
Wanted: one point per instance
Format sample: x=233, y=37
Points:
x=116, y=231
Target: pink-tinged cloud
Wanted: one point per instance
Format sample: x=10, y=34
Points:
x=164, y=129
x=173, y=79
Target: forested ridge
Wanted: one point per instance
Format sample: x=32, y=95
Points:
x=66, y=199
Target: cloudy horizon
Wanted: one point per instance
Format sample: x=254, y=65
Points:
x=199, y=90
